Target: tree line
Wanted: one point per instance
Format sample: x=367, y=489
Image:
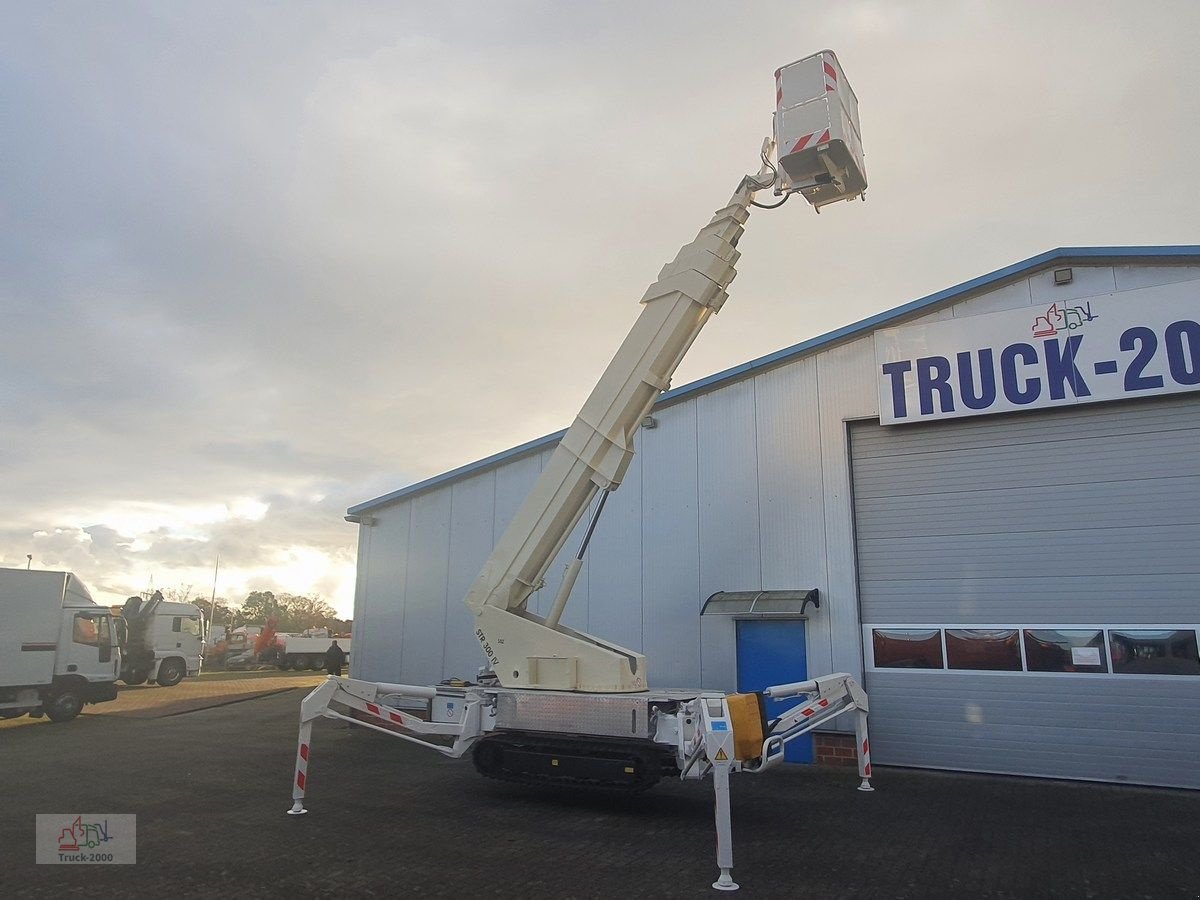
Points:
x=291, y=612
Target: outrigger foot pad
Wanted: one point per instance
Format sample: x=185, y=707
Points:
x=866, y=785
x=725, y=882
x=297, y=809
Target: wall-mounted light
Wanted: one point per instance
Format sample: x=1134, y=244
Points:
x=360, y=520
x=1063, y=276
x=649, y=422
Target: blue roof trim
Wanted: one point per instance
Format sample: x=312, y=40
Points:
x=957, y=292
x=455, y=474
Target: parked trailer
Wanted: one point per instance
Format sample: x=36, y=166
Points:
x=307, y=652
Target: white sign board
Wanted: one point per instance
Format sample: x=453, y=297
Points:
x=1133, y=344
x=1085, y=656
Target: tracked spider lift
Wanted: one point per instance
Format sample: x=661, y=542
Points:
x=556, y=705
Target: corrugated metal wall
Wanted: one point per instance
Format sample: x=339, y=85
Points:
x=1087, y=517
x=1045, y=517
x=726, y=493
x=744, y=487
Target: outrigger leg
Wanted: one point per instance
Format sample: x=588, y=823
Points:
x=301, y=778
x=724, y=828
x=310, y=709
x=863, y=750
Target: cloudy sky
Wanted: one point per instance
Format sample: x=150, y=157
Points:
x=262, y=261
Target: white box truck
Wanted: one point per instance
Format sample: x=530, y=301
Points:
x=58, y=647
x=162, y=640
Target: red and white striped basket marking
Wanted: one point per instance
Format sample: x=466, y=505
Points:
x=817, y=137
x=831, y=83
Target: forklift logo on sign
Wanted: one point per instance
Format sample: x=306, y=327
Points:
x=88, y=835
x=103, y=839
x=1058, y=320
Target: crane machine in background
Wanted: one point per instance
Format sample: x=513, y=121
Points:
x=556, y=705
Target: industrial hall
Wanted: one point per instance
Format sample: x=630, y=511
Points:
x=984, y=504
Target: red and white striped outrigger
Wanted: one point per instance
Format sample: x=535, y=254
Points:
x=698, y=728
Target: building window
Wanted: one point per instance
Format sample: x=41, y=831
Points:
x=988, y=649
x=1154, y=652
x=1163, y=650
x=907, y=648
x=1065, y=650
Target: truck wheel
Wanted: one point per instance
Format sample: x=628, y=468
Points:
x=314, y=663
x=170, y=673
x=64, y=705
x=137, y=676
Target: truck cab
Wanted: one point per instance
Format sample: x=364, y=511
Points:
x=58, y=647
x=178, y=642
x=163, y=641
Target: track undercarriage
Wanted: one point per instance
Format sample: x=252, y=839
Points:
x=579, y=761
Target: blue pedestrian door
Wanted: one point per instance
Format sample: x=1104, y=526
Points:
x=773, y=652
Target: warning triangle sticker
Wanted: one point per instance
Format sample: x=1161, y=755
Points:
x=721, y=756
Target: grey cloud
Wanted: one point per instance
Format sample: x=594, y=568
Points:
x=326, y=250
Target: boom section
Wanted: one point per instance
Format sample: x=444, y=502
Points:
x=592, y=456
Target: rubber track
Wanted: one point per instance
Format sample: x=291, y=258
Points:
x=646, y=757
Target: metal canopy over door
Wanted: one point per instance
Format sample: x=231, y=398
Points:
x=772, y=651
x=1004, y=534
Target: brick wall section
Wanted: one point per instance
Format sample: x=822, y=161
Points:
x=835, y=749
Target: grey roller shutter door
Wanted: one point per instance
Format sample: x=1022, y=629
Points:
x=1088, y=516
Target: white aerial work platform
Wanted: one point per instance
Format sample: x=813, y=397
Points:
x=556, y=705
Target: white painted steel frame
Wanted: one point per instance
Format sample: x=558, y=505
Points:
x=700, y=732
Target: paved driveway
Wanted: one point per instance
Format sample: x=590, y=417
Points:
x=210, y=789
x=149, y=701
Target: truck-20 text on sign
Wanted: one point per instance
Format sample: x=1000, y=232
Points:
x=1111, y=347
